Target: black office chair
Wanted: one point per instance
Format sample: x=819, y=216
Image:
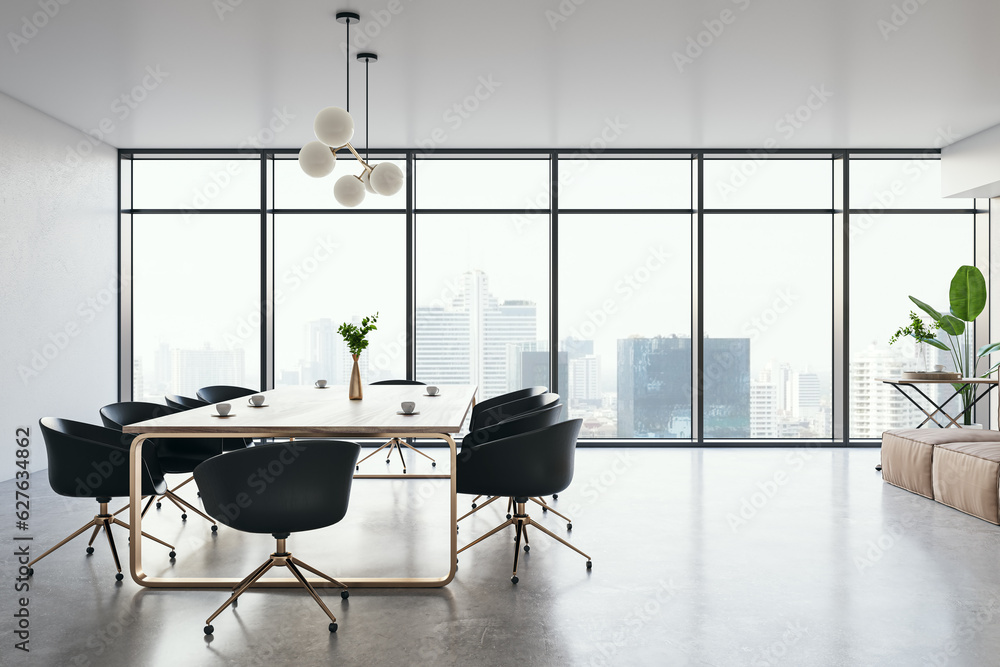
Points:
x=502, y=411
x=499, y=412
x=221, y=393
x=184, y=402
x=397, y=443
x=523, y=423
x=309, y=486
x=176, y=455
x=506, y=398
x=88, y=461
x=536, y=463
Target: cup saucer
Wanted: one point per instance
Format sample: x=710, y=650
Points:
x=224, y=416
x=433, y=395
x=326, y=387
x=262, y=405
x=407, y=414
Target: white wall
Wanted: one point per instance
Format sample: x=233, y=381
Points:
x=970, y=167
x=58, y=251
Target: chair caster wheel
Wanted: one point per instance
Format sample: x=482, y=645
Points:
x=333, y=627
x=209, y=629
x=527, y=548
x=569, y=526
x=589, y=564
x=513, y=579
x=215, y=528
x=90, y=550
x=184, y=517
x=555, y=496
x=236, y=603
x=508, y=516
x=173, y=555
x=31, y=571
x=434, y=464
x=357, y=468
x=158, y=505
x=345, y=594
x=119, y=576
x=199, y=494
x=473, y=505
x=544, y=510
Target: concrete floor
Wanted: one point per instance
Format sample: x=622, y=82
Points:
x=701, y=557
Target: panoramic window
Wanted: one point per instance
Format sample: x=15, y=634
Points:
x=232, y=285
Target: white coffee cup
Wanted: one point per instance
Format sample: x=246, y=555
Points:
x=407, y=406
x=432, y=391
x=256, y=400
x=939, y=368
x=223, y=409
x=320, y=383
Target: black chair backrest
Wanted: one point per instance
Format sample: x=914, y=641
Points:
x=121, y=414
x=184, y=402
x=179, y=450
x=398, y=382
x=221, y=393
x=505, y=411
x=529, y=421
x=536, y=463
x=88, y=461
x=307, y=485
x=506, y=398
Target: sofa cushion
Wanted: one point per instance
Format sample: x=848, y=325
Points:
x=966, y=476
x=907, y=454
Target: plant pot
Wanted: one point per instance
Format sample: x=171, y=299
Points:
x=354, y=389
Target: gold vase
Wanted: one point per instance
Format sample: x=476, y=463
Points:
x=354, y=389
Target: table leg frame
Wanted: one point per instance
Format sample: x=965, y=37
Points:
x=135, y=521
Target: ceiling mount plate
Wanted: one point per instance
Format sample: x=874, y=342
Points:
x=367, y=57
x=348, y=17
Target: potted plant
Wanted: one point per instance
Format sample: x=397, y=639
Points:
x=357, y=340
x=967, y=297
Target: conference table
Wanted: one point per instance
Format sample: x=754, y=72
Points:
x=310, y=412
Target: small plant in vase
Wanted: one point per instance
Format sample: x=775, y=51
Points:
x=356, y=338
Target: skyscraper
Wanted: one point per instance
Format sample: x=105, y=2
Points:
x=194, y=369
x=654, y=387
x=466, y=341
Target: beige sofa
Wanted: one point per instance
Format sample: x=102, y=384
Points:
x=957, y=467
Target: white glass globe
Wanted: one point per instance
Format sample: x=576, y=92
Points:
x=334, y=126
x=368, y=185
x=316, y=159
x=349, y=190
x=387, y=178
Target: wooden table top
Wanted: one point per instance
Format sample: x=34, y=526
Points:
x=307, y=411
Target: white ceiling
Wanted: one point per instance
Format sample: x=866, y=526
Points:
x=564, y=69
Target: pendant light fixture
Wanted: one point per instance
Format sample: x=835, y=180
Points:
x=334, y=128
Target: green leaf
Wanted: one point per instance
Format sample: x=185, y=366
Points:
x=927, y=309
x=986, y=349
x=952, y=325
x=936, y=343
x=968, y=293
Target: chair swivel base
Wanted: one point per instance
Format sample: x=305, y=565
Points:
x=397, y=444
x=538, y=501
x=184, y=505
x=281, y=558
x=103, y=521
x=520, y=520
